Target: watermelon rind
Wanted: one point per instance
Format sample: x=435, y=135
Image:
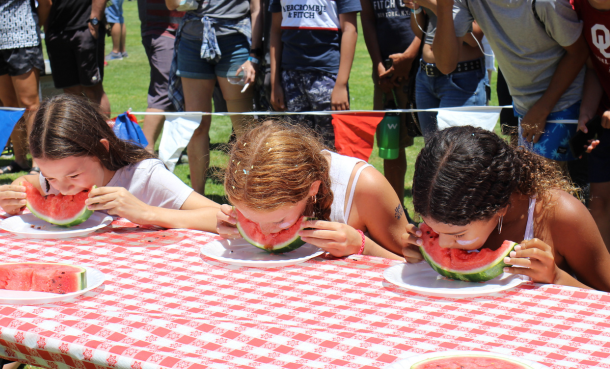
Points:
x=421, y=364
x=279, y=248
x=79, y=218
x=82, y=278
x=483, y=274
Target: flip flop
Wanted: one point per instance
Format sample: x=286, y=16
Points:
x=13, y=167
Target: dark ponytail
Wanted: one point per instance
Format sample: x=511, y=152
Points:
x=464, y=174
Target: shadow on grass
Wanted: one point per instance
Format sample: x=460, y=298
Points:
x=218, y=199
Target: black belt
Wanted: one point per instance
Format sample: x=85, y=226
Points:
x=467, y=66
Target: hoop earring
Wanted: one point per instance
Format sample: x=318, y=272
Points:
x=500, y=224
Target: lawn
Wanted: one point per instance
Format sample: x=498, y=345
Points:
x=126, y=83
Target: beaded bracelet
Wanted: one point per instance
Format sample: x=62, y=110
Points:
x=363, y=239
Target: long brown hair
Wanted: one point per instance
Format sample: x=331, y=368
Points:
x=274, y=165
x=68, y=125
x=464, y=174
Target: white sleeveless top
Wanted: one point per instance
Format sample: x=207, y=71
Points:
x=341, y=168
x=529, y=228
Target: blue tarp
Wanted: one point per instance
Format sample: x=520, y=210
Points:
x=8, y=119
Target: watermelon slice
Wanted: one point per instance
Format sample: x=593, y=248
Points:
x=42, y=277
x=475, y=361
x=64, y=211
x=474, y=266
x=276, y=243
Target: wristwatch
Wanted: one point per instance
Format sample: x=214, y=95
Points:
x=94, y=21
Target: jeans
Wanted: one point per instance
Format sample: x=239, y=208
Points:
x=447, y=91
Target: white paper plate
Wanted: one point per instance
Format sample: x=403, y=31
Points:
x=95, y=278
x=408, y=362
x=240, y=252
x=21, y=225
x=421, y=278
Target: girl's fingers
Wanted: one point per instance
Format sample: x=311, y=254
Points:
x=13, y=188
x=224, y=229
x=523, y=271
x=319, y=224
x=527, y=263
x=12, y=195
x=101, y=199
x=411, y=228
x=321, y=243
x=412, y=240
x=103, y=206
x=320, y=234
x=13, y=202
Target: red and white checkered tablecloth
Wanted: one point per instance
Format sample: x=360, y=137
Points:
x=165, y=307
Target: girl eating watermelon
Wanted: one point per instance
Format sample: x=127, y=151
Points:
x=76, y=149
x=475, y=191
x=279, y=173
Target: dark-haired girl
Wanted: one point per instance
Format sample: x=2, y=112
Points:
x=476, y=191
x=76, y=149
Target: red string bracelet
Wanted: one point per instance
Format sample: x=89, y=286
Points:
x=363, y=239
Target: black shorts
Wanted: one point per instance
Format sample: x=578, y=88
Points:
x=599, y=160
x=19, y=61
x=76, y=57
x=160, y=51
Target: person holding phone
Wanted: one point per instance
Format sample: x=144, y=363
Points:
x=394, y=50
x=596, y=22
x=464, y=86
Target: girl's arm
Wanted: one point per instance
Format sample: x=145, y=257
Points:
x=256, y=17
x=592, y=93
x=577, y=239
x=197, y=212
x=379, y=208
x=339, y=99
x=275, y=53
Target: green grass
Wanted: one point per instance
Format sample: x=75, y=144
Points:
x=126, y=83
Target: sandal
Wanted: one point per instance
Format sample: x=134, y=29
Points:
x=13, y=167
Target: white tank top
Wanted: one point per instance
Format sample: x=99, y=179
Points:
x=529, y=228
x=341, y=168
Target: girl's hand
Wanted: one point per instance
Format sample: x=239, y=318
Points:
x=536, y=261
x=249, y=72
x=337, y=239
x=226, y=221
x=118, y=201
x=12, y=199
x=411, y=241
x=339, y=98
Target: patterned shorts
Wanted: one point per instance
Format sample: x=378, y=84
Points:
x=310, y=91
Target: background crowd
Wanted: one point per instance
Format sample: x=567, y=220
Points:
x=297, y=55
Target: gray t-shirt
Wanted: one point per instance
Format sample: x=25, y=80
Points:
x=221, y=9
x=149, y=181
x=527, y=52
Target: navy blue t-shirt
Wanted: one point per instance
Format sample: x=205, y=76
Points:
x=392, y=22
x=311, y=34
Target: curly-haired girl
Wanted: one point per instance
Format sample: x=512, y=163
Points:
x=279, y=172
x=476, y=191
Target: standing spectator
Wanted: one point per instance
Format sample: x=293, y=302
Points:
x=21, y=61
x=118, y=31
x=542, y=60
x=435, y=89
x=595, y=101
x=388, y=36
x=216, y=37
x=75, y=43
x=158, y=28
x=312, y=50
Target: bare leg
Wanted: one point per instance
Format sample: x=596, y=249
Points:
x=26, y=89
x=237, y=102
x=198, y=97
x=123, y=36
x=600, y=209
x=152, y=128
x=115, y=34
x=94, y=93
x=395, y=171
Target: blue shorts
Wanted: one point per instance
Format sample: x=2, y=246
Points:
x=599, y=160
x=234, y=50
x=554, y=142
x=114, y=13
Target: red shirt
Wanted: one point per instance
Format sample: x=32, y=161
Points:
x=597, y=33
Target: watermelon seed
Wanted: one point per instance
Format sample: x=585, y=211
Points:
x=52, y=280
x=63, y=272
